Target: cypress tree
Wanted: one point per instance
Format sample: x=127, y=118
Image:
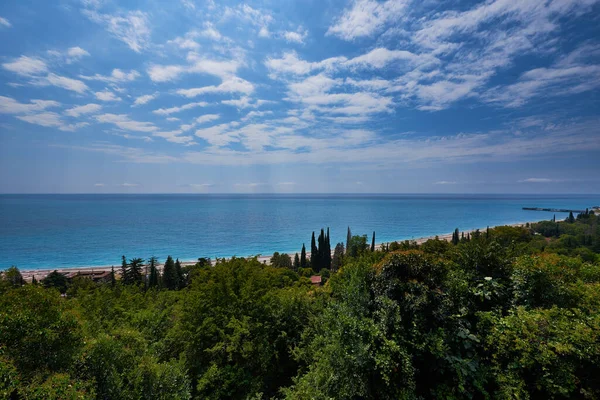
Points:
x=33, y=280
x=124, y=273
x=328, y=251
x=180, y=276
x=455, y=237
x=113, y=278
x=170, y=277
x=554, y=218
x=303, y=263
x=296, y=262
x=487, y=232
x=153, y=279
x=338, y=257
x=348, y=239
x=322, y=250
x=571, y=218
x=373, y=243
x=314, y=253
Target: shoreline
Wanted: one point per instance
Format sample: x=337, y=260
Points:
x=42, y=273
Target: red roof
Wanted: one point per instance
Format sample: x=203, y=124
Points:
x=315, y=279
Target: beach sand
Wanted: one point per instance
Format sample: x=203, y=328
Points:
x=42, y=273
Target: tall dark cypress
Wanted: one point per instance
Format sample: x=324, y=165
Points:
x=455, y=237
x=303, y=263
x=180, y=275
x=348, y=238
x=296, y=264
x=153, y=278
x=314, y=253
x=124, y=273
x=170, y=277
x=134, y=271
x=373, y=243
x=327, y=251
x=113, y=279
x=322, y=250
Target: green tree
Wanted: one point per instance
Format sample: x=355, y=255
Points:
x=303, y=262
x=170, y=275
x=373, y=243
x=125, y=278
x=358, y=245
x=296, y=262
x=135, y=275
x=338, y=257
x=314, y=253
x=56, y=280
x=281, y=260
x=113, y=279
x=348, y=238
x=13, y=276
x=153, y=279
x=180, y=276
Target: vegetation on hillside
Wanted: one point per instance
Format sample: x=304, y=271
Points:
x=509, y=313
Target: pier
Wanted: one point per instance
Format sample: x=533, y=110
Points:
x=562, y=210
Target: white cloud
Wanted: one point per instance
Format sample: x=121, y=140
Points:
x=107, y=95
x=26, y=66
x=172, y=110
x=99, y=184
x=4, y=22
x=366, y=17
x=445, y=183
x=63, y=82
x=231, y=85
x=9, y=105
x=537, y=180
x=123, y=122
x=141, y=100
x=117, y=76
x=132, y=28
x=259, y=19
x=50, y=120
x=207, y=118
x=80, y=110
x=175, y=137
x=198, y=65
x=255, y=114
x=129, y=184
x=296, y=37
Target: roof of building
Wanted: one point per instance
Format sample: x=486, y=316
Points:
x=315, y=279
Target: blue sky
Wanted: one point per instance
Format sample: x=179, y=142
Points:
x=106, y=96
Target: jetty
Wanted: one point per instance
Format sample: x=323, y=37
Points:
x=562, y=210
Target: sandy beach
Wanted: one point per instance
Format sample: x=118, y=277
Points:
x=42, y=273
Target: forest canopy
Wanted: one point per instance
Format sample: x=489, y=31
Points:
x=507, y=313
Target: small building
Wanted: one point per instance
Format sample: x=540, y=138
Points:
x=96, y=276
x=316, y=280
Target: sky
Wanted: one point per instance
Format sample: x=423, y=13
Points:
x=365, y=96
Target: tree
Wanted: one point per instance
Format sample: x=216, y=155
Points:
x=113, y=279
x=455, y=237
x=153, y=278
x=124, y=271
x=570, y=218
x=338, y=257
x=33, y=280
x=281, y=260
x=303, y=263
x=373, y=243
x=180, y=277
x=348, y=238
x=314, y=253
x=134, y=271
x=170, y=276
x=13, y=276
x=327, y=251
x=358, y=245
x=56, y=280
x=296, y=262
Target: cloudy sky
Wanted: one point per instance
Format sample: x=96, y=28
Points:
x=106, y=96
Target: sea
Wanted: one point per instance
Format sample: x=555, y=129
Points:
x=66, y=231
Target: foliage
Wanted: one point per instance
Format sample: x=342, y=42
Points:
x=509, y=313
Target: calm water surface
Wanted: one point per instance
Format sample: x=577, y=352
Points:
x=61, y=231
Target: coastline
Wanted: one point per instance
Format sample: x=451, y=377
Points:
x=42, y=273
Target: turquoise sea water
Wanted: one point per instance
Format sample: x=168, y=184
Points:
x=61, y=231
